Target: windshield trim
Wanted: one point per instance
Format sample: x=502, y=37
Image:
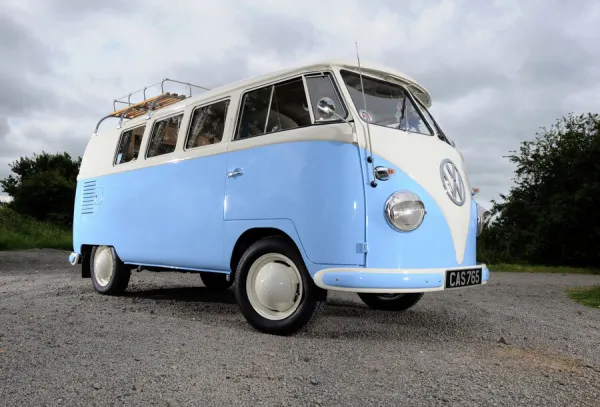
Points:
x=413, y=99
x=438, y=130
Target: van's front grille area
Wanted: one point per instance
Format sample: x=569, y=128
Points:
x=88, y=198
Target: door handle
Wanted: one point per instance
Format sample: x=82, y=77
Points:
x=235, y=173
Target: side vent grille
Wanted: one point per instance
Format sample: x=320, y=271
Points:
x=88, y=198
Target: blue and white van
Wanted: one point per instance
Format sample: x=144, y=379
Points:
x=329, y=176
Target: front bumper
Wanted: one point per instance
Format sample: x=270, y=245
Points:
x=391, y=281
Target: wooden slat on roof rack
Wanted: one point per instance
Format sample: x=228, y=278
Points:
x=138, y=109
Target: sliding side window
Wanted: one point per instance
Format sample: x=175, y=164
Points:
x=207, y=125
x=274, y=108
x=129, y=145
x=164, y=136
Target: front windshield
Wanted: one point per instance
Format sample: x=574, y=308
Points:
x=388, y=104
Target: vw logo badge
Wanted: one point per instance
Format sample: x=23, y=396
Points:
x=453, y=182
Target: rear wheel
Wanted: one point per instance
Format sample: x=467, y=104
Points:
x=109, y=275
x=215, y=281
x=273, y=288
x=390, y=302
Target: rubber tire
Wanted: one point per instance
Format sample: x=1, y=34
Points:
x=120, y=277
x=402, y=303
x=313, y=297
x=215, y=281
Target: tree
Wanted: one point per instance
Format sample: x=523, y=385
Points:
x=43, y=186
x=551, y=214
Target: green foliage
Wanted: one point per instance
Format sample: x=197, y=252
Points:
x=43, y=187
x=19, y=232
x=588, y=296
x=524, y=268
x=550, y=216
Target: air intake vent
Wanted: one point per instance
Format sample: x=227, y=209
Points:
x=88, y=198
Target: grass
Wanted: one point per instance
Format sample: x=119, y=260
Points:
x=19, y=232
x=526, y=268
x=588, y=296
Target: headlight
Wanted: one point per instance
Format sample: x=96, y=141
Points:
x=404, y=211
x=482, y=216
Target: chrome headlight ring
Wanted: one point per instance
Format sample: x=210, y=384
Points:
x=404, y=211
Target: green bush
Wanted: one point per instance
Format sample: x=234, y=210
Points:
x=550, y=216
x=18, y=232
x=43, y=186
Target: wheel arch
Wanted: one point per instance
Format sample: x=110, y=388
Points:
x=86, y=252
x=252, y=235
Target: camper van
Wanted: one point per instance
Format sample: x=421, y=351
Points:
x=332, y=176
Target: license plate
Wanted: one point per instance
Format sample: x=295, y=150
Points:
x=462, y=278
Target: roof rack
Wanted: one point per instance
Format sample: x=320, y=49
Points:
x=147, y=105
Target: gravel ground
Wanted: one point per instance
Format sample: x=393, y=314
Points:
x=169, y=342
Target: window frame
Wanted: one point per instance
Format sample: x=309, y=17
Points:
x=154, y=123
x=191, y=117
x=336, y=87
x=411, y=97
x=119, y=140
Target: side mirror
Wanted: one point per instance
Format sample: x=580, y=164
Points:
x=326, y=107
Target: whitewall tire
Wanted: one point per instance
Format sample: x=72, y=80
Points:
x=273, y=288
x=109, y=274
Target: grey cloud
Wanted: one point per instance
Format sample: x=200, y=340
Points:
x=21, y=51
x=527, y=71
x=25, y=73
x=75, y=8
x=267, y=31
x=4, y=129
x=214, y=72
x=22, y=54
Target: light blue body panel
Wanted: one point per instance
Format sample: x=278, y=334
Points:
x=429, y=246
x=234, y=229
x=360, y=279
x=316, y=184
x=189, y=215
x=165, y=215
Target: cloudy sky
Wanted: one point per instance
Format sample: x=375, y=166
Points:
x=497, y=70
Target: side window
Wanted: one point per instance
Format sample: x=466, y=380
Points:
x=129, y=145
x=164, y=136
x=274, y=108
x=207, y=125
x=320, y=86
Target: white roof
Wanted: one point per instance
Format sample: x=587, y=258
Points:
x=367, y=68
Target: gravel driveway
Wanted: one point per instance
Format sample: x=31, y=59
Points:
x=168, y=342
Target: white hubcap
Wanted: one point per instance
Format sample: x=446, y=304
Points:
x=274, y=286
x=103, y=265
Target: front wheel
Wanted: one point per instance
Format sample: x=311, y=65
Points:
x=390, y=302
x=274, y=290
